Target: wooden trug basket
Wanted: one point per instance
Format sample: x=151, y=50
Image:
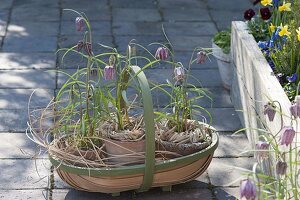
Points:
x=140, y=177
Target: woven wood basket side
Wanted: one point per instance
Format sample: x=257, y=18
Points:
x=171, y=176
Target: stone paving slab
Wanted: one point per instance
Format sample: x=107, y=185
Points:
x=200, y=193
x=3, y=21
x=182, y=14
x=26, y=177
x=224, y=119
x=98, y=28
x=70, y=41
x=19, y=98
x=232, y=5
x=137, y=28
x=226, y=193
x=189, y=43
x=133, y=4
x=36, y=194
x=190, y=28
x=223, y=18
x=181, y=4
x=130, y=14
x=30, y=44
x=36, y=3
x=123, y=41
x=29, y=78
x=185, y=56
x=223, y=171
x=21, y=29
x=171, y=28
x=13, y=120
x=6, y=4
x=227, y=149
x=93, y=13
x=88, y=4
x=32, y=14
x=75, y=61
x=161, y=75
x=27, y=61
x=216, y=97
x=18, y=146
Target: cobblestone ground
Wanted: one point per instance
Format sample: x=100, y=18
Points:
x=30, y=33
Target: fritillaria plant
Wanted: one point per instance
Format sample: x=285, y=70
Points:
x=278, y=158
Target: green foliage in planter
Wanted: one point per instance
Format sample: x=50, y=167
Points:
x=222, y=39
x=258, y=28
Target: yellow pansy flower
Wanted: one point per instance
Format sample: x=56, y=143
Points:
x=285, y=7
x=284, y=31
x=298, y=33
x=266, y=2
x=272, y=27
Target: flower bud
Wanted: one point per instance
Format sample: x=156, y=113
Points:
x=80, y=45
x=179, y=73
x=281, y=168
x=201, y=57
x=161, y=53
x=287, y=135
x=94, y=73
x=88, y=48
x=262, y=149
x=247, y=189
x=109, y=72
x=79, y=23
x=112, y=60
x=269, y=110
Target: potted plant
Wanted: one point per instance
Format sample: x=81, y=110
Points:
x=99, y=141
x=221, y=51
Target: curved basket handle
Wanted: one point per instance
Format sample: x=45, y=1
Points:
x=149, y=126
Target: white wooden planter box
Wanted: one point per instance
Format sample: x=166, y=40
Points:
x=254, y=84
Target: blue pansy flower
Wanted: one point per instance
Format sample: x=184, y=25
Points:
x=275, y=3
x=271, y=44
x=292, y=78
x=262, y=45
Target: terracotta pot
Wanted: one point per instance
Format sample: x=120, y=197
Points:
x=89, y=155
x=125, y=152
x=181, y=149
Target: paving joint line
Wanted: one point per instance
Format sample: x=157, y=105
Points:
x=7, y=24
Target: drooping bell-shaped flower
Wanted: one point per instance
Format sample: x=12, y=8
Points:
x=295, y=107
x=262, y=149
x=79, y=23
x=201, y=57
x=269, y=110
x=281, y=168
x=109, y=72
x=248, y=14
x=161, y=53
x=247, y=189
x=287, y=134
x=179, y=73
